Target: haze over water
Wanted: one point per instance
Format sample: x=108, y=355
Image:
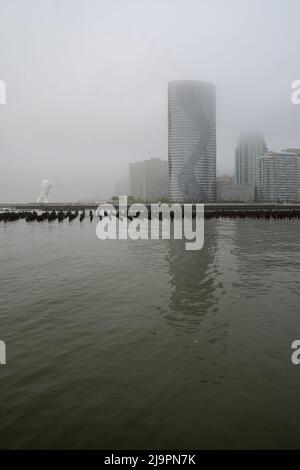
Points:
x=87, y=85
x=123, y=344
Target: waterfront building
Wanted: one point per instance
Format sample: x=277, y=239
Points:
x=192, y=141
x=149, y=180
x=235, y=192
x=136, y=180
x=225, y=179
x=251, y=147
x=155, y=182
x=280, y=176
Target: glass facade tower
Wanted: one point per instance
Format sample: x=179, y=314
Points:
x=250, y=149
x=192, y=141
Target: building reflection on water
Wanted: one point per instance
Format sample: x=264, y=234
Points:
x=192, y=277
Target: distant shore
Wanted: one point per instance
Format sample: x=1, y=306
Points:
x=258, y=211
x=217, y=207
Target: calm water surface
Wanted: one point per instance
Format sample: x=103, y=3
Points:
x=122, y=344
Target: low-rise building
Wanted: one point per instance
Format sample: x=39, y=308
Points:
x=235, y=192
x=225, y=179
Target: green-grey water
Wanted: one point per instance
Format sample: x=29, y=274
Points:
x=141, y=344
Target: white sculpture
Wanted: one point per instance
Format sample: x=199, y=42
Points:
x=45, y=190
x=2, y=92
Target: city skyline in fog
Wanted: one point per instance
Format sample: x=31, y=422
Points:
x=87, y=84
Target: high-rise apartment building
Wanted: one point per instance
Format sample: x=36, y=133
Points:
x=192, y=141
x=280, y=176
x=250, y=148
x=148, y=180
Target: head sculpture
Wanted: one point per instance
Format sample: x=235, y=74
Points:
x=45, y=190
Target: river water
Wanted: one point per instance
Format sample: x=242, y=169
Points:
x=141, y=344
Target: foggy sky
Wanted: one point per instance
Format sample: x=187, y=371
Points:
x=87, y=84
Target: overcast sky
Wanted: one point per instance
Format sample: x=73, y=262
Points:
x=87, y=84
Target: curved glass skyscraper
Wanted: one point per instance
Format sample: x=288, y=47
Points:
x=192, y=141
